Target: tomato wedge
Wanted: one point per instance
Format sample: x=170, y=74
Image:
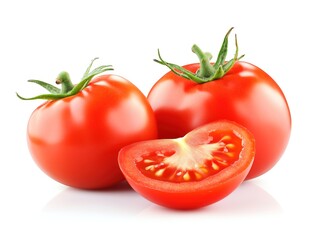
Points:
x=201, y=168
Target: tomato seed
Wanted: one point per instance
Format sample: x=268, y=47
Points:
x=179, y=174
x=225, y=138
x=215, y=166
x=204, y=169
x=221, y=161
x=230, y=154
x=148, y=161
x=198, y=176
x=160, y=172
x=230, y=146
x=186, y=176
x=150, y=167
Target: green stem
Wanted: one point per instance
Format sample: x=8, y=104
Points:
x=206, y=69
x=65, y=81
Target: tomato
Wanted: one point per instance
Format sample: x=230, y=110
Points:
x=202, y=167
x=190, y=96
x=75, y=139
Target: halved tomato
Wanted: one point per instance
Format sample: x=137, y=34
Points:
x=199, y=169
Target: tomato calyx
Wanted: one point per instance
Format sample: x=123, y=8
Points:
x=67, y=87
x=207, y=71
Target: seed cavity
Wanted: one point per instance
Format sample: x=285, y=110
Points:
x=191, y=163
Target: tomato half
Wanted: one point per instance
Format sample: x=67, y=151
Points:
x=76, y=139
x=202, y=167
x=244, y=94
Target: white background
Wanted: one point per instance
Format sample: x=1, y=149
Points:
x=41, y=38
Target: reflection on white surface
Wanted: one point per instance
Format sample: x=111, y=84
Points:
x=248, y=199
x=110, y=203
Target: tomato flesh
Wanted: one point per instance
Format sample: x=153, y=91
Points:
x=194, y=171
x=192, y=163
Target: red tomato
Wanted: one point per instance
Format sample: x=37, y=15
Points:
x=245, y=94
x=190, y=172
x=76, y=139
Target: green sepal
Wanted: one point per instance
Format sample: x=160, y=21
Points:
x=47, y=86
x=223, y=50
x=45, y=96
x=88, y=77
x=178, y=70
x=207, y=71
x=67, y=89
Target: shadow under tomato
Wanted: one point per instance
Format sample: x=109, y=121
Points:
x=115, y=202
x=248, y=199
x=122, y=202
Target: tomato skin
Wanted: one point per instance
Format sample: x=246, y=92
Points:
x=194, y=194
x=246, y=95
x=190, y=199
x=75, y=140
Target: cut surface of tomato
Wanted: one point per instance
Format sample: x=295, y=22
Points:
x=196, y=170
x=192, y=162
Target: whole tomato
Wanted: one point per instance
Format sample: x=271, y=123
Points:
x=76, y=135
x=196, y=94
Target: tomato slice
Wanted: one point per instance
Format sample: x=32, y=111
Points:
x=196, y=170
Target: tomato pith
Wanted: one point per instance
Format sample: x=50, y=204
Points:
x=194, y=171
x=192, y=163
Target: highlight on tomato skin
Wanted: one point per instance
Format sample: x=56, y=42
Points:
x=194, y=171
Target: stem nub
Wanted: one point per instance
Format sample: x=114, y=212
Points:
x=206, y=69
x=65, y=81
x=207, y=72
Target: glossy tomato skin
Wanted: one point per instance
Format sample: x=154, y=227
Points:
x=75, y=140
x=246, y=95
x=188, y=194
